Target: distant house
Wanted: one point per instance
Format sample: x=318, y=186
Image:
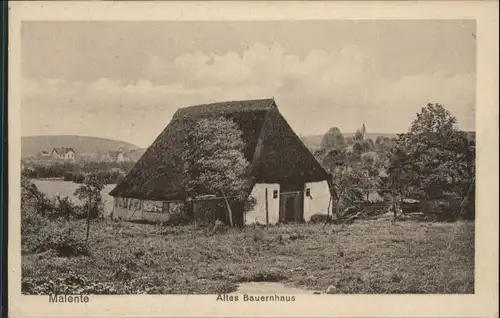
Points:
x=117, y=156
x=63, y=153
x=289, y=185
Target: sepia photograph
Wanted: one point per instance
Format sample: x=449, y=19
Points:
x=254, y=161
x=185, y=157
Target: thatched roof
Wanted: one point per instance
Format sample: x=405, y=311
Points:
x=276, y=154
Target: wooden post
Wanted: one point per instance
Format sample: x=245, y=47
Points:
x=267, y=210
x=328, y=210
x=228, y=208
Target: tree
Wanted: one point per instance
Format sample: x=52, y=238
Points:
x=368, y=145
x=349, y=140
x=215, y=163
x=434, y=159
x=384, y=144
x=346, y=176
x=358, y=148
x=358, y=136
x=363, y=129
x=90, y=193
x=333, y=139
x=399, y=182
x=370, y=174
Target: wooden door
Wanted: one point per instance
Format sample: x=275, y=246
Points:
x=291, y=207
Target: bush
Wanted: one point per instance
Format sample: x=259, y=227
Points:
x=66, y=244
x=42, y=227
x=32, y=225
x=320, y=218
x=59, y=236
x=181, y=218
x=445, y=209
x=72, y=284
x=63, y=207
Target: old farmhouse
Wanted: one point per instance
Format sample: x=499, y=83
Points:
x=289, y=185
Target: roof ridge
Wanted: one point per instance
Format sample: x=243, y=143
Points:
x=230, y=102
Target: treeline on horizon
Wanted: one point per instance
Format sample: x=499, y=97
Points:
x=433, y=163
x=107, y=172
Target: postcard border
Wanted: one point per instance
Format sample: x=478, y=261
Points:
x=484, y=303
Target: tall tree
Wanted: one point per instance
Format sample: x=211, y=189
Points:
x=90, y=193
x=370, y=174
x=363, y=130
x=346, y=177
x=333, y=139
x=384, y=145
x=215, y=163
x=358, y=147
x=358, y=136
x=434, y=158
x=368, y=145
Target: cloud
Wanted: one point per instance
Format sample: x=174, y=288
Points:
x=319, y=90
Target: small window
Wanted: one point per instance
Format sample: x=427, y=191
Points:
x=275, y=194
x=166, y=207
x=308, y=192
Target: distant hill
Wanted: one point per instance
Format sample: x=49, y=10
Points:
x=314, y=141
x=32, y=145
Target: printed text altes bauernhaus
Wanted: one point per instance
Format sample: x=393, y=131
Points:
x=254, y=298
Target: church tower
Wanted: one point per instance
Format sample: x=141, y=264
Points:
x=363, y=131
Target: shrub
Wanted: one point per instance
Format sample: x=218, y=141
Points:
x=66, y=244
x=72, y=284
x=59, y=236
x=182, y=218
x=320, y=218
x=65, y=208
x=32, y=225
x=219, y=228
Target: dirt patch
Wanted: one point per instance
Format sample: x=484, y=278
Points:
x=269, y=288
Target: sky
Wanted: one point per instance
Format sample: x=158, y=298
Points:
x=125, y=80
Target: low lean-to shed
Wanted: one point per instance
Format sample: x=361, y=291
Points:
x=280, y=164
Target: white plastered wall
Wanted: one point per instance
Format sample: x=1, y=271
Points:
x=317, y=203
x=135, y=211
x=128, y=214
x=258, y=213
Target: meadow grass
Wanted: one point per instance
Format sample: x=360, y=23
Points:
x=373, y=256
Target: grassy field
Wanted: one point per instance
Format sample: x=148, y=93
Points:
x=365, y=257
